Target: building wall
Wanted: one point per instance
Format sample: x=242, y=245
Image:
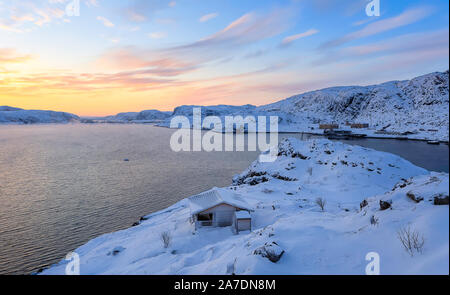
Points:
x=328, y=126
x=359, y=125
x=244, y=224
x=223, y=215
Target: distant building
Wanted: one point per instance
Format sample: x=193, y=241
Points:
x=242, y=221
x=328, y=126
x=359, y=125
x=220, y=207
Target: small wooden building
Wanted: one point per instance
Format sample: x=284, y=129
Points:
x=359, y=125
x=328, y=126
x=217, y=207
x=242, y=221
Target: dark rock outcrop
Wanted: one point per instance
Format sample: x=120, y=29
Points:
x=271, y=251
x=441, y=200
x=384, y=205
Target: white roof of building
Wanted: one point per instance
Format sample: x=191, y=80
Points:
x=214, y=197
x=243, y=215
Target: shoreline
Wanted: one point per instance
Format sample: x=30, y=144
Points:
x=371, y=137
x=129, y=225
x=155, y=124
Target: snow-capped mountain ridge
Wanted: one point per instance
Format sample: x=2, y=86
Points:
x=417, y=108
x=10, y=115
x=218, y=110
x=147, y=115
x=411, y=105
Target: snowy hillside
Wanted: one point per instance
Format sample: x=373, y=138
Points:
x=419, y=106
x=8, y=109
x=218, y=111
x=144, y=116
x=10, y=115
x=416, y=108
x=370, y=198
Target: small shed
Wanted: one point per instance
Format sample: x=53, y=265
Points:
x=328, y=126
x=216, y=207
x=360, y=125
x=243, y=221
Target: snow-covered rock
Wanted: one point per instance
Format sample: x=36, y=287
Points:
x=271, y=251
x=288, y=223
x=12, y=115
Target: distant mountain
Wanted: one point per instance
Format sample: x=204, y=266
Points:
x=9, y=109
x=147, y=116
x=218, y=110
x=19, y=116
x=417, y=108
x=163, y=118
x=420, y=104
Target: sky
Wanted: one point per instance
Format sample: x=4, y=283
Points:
x=113, y=56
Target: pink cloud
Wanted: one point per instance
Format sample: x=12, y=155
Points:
x=10, y=55
x=208, y=17
x=288, y=40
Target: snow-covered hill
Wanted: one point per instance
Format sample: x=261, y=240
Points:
x=219, y=110
x=418, y=106
x=10, y=115
x=371, y=197
x=143, y=116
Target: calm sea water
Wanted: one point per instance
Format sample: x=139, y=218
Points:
x=420, y=153
x=62, y=185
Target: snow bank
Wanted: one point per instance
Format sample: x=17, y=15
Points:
x=291, y=234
